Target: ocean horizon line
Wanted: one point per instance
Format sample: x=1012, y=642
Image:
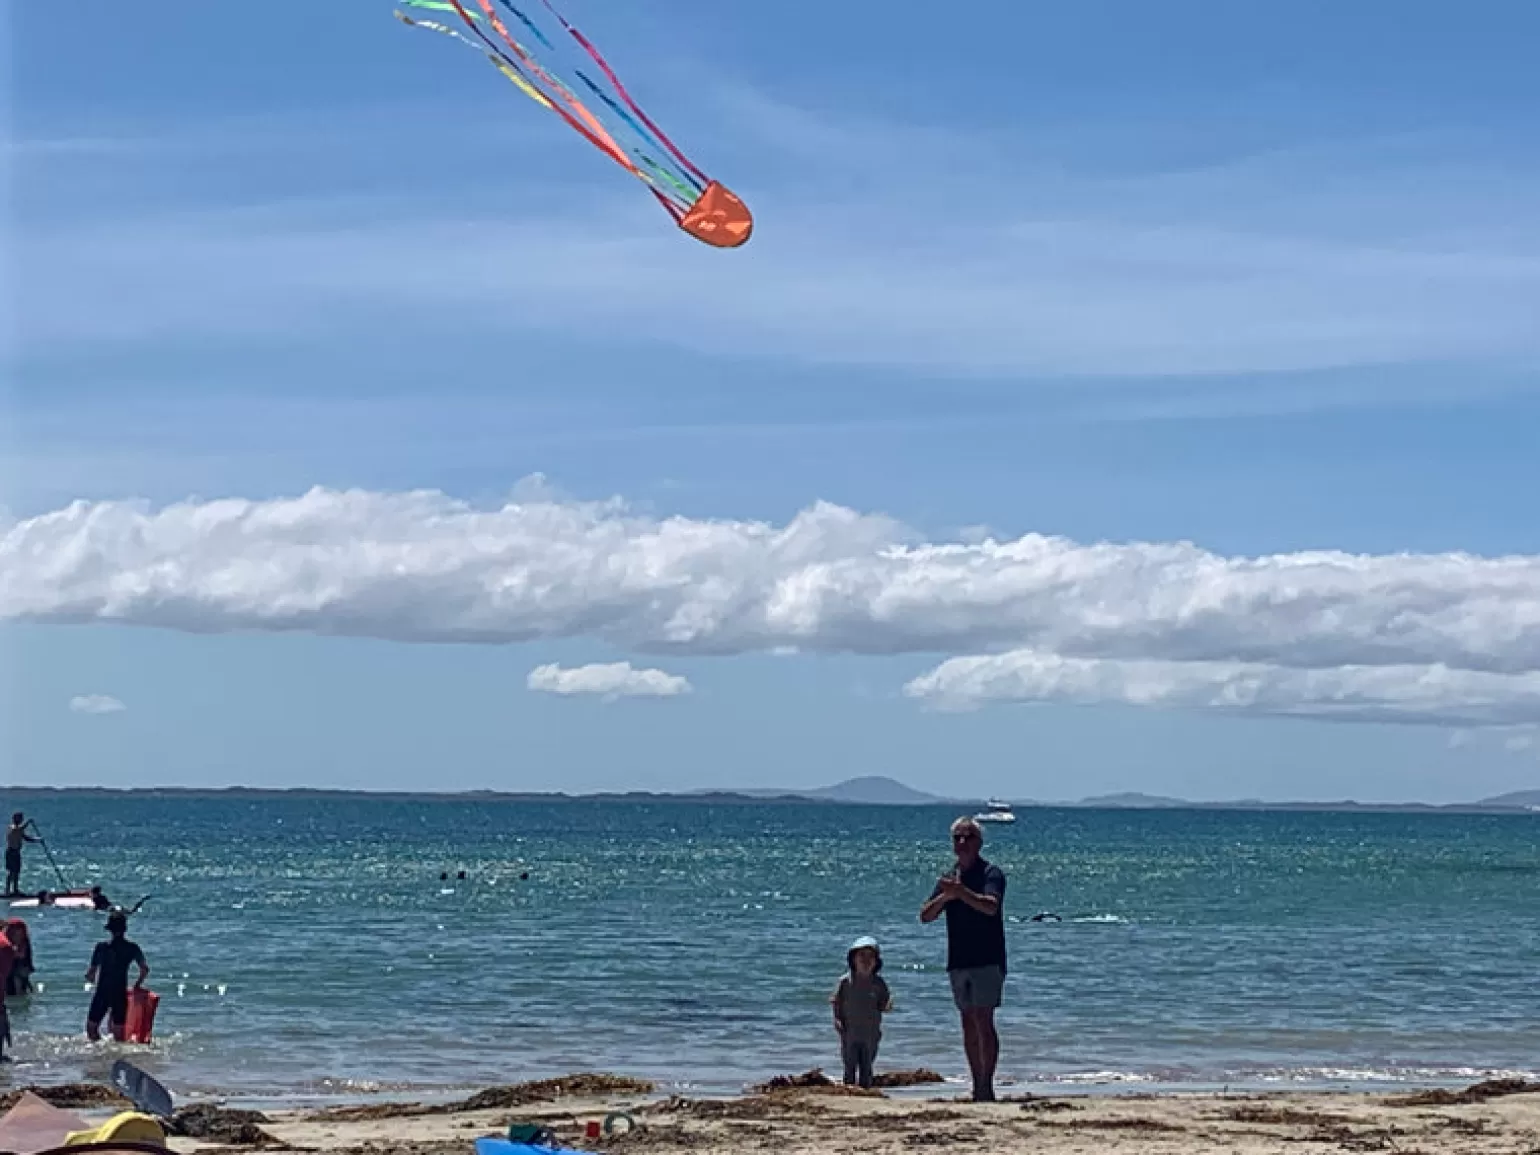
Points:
x=752, y=796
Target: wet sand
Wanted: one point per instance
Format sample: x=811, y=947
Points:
x=1499, y=1118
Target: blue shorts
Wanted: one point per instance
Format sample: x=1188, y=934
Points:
x=975, y=988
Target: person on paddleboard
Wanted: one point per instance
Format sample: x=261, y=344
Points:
x=15, y=837
x=109, y=971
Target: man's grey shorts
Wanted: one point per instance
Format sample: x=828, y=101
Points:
x=977, y=987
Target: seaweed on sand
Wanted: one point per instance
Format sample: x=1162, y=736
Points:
x=580, y=1085
x=68, y=1095
x=919, y=1077
x=1475, y=1093
x=222, y=1125
x=1287, y=1116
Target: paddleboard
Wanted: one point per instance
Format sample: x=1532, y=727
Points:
x=67, y=902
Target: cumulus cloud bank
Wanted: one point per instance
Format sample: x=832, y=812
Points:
x=96, y=704
x=1428, y=694
x=611, y=680
x=1035, y=618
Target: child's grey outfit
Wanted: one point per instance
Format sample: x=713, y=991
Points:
x=859, y=1004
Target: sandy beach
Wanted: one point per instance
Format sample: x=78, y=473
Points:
x=1494, y=1118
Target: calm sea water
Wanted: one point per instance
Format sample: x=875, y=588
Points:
x=307, y=947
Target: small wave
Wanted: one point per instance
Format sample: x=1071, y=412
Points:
x=1302, y=1077
x=1050, y=917
x=1391, y=1074
x=37, y=1047
x=327, y=1088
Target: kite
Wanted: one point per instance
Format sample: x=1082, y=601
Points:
x=702, y=207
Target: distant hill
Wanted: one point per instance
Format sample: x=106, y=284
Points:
x=874, y=790
x=1516, y=798
x=871, y=790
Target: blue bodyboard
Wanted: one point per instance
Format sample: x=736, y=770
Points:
x=141, y=1089
x=489, y=1146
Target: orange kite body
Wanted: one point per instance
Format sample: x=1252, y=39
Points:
x=528, y=56
x=719, y=218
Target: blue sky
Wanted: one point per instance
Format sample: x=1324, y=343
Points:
x=1262, y=281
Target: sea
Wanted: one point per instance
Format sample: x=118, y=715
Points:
x=308, y=948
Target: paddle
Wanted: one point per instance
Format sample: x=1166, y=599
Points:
x=63, y=884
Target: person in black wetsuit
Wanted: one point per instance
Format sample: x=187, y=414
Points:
x=109, y=971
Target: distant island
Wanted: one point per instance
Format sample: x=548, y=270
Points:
x=870, y=790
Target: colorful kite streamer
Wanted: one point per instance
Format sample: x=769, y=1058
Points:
x=702, y=207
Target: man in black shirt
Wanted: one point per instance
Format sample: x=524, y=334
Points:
x=109, y=971
x=972, y=898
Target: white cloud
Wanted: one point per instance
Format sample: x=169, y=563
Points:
x=1425, y=694
x=612, y=680
x=96, y=704
x=420, y=566
x=1401, y=635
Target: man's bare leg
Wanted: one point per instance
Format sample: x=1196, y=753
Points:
x=973, y=1046
x=989, y=1050
x=983, y=1046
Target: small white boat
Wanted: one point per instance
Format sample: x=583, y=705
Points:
x=998, y=812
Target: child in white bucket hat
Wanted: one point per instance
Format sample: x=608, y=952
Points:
x=860, y=1000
